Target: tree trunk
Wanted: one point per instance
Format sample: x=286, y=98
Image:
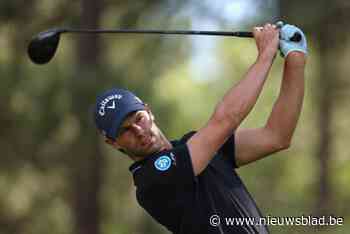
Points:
x=331, y=37
x=88, y=160
x=325, y=142
x=326, y=23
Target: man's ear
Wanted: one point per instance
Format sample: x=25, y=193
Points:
x=114, y=144
x=109, y=141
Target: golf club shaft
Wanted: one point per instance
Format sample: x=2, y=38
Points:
x=167, y=32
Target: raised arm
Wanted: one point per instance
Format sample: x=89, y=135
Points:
x=237, y=102
x=276, y=135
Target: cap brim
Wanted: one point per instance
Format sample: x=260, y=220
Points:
x=113, y=132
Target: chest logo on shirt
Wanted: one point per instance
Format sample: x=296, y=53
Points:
x=163, y=163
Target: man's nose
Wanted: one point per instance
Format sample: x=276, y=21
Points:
x=138, y=131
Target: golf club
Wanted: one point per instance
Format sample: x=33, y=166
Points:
x=42, y=48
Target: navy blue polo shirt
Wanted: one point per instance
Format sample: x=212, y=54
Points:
x=167, y=188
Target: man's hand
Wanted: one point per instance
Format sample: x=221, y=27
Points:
x=286, y=45
x=266, y=39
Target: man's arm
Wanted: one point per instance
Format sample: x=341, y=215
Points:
x=236, y=104
x=276, y=135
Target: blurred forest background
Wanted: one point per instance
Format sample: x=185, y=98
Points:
x=57, y=176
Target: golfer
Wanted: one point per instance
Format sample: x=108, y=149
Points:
x=190, y=185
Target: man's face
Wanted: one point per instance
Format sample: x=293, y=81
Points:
x=138, y=135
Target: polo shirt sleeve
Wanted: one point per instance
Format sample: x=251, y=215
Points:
x=228, y=151
x=172, y=167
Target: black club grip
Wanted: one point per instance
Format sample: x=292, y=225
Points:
x=242, y=34
x=295, y=38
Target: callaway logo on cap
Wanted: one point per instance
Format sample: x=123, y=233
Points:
x=112, y=107
x=104, y=102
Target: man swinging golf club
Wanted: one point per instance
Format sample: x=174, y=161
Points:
x=188, y=184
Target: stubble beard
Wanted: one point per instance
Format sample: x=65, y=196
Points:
x=160, y=143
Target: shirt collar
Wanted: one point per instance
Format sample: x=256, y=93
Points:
x=138, y=164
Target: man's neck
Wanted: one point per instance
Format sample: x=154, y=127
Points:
x=166, y=145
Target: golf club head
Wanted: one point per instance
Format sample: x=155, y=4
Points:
x=42, y=48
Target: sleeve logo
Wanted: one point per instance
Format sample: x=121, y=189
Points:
x=163, y=163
